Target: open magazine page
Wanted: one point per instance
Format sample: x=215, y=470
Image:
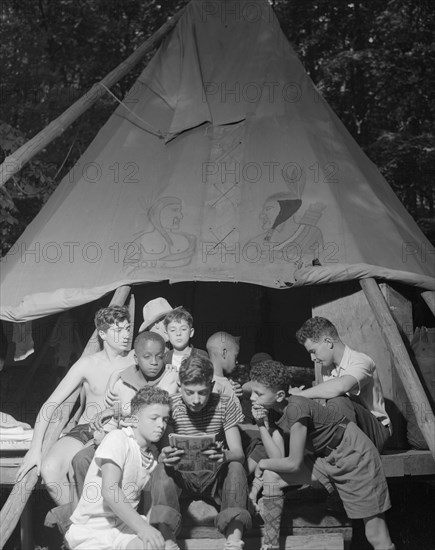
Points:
x=193, y=445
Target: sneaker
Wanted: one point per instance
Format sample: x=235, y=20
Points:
x=171, y=545
x=234, y=545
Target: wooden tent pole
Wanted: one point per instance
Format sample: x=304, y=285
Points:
x=13, y=163
x=429, y=297
x=14, y=506
x=401, y=360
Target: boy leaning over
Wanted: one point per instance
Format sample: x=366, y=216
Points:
x=198, y=411
x=106, y=515
x=345, y=458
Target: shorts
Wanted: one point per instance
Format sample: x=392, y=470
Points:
x=81, y=432
x=355, y=470
x=99, y=534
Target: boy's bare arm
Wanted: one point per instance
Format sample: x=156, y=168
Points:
x=113, y=495
x=295, y=460
x=66, y=387
x=235, y=451
x=328, y=389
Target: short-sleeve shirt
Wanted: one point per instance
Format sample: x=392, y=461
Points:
x=322, y=421
x=369, y=390
x=120, y=447
x=221, y=413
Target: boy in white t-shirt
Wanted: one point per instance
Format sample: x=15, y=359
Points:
x=106, y=515
x=350, y=380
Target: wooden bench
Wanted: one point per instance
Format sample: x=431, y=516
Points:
x=408, y=463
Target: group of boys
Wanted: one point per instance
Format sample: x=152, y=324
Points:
x=132, y=407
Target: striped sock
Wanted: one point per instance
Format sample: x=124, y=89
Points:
x=271, y=514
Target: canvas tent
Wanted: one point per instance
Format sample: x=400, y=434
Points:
x=222, y=164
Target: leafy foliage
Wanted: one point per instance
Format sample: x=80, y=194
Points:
x=373, y=60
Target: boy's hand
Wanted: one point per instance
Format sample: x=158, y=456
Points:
x=215, y=452
x=295, y=391
x=171, y=456
x=151, y=538
x=237, y=388
x=97, y=423
x=31, y=459
x=261, y=415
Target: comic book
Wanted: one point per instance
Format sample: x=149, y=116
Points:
x=193, y=445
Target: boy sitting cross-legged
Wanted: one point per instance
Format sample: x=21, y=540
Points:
x=344, y=457
x=106, y=515
x=179, y=327
x=195, y=411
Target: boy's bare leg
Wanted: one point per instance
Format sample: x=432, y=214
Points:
x=377, y=532
x=55, y=467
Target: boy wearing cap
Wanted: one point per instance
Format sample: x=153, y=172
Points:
x=344, y=457
x=154, y=313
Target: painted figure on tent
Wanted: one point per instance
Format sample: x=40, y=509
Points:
x=289, y=238
x=163, y=244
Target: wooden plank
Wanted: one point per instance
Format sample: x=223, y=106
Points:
x=401, y=360
x=321, y=541
x=429, y=297
x=408, y=463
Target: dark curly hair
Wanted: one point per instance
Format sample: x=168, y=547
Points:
x=149, y=395
x=271, y=374
x=111, y=315
x=315, y=328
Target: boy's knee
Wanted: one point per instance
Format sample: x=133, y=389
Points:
x=51, y=469
x=272, y=484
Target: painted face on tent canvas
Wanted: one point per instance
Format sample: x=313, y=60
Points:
x=117, y=336
x=171, y=216
x=321, y=352
x=269, y=214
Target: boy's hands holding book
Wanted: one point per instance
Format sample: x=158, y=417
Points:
x=171, y=456
x=215, y=452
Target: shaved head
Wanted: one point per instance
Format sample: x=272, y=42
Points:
x=220, y=341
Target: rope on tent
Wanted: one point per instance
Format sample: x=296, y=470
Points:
x=150, y=128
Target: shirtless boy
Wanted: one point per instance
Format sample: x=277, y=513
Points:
x=92, y=372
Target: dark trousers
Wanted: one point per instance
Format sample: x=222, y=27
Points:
x=355, y=411
x=80, y=463
x=227, y=487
